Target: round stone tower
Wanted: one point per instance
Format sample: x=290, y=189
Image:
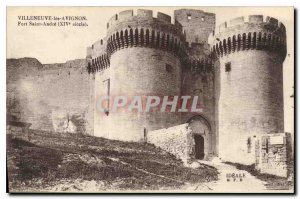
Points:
x=145, y=57
x=250, y=52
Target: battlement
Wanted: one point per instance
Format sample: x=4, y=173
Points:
x=142, y=14
x=143, y=18
x=246, y=33
x=97, y=56
x=259, y=20
x=99, y=47
x=125, y=30
x=143, y=30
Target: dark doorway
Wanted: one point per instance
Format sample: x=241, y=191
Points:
x=199, y=146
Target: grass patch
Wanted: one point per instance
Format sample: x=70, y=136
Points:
x=50, y=159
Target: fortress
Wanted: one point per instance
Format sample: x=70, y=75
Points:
x=234, y=69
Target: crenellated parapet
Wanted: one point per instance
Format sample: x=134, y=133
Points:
x=97, y=56
x=126, y=30
x=143, y=19
x=254, y=32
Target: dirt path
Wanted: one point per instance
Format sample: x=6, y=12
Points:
x=232, y=180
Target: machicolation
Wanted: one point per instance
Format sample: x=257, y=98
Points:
x=227, y=82
x=256, y=32
x=234, y=69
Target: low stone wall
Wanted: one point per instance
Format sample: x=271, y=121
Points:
x=272, y=154
x=173, y=140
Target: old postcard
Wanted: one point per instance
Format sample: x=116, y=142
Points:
x=150, y=99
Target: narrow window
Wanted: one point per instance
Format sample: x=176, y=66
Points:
x=249, y=145
x=106, y=84
x=228, y=67
x=169, y=68
x=189, y=17
x=89, y=68
x=145, y=135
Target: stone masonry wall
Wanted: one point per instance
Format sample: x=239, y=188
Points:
x=174, y=140
x=272, y=154
x=142, y=71
x=197, y=24
x=201, y=84
x=53, y=97
x=249, y=51
x=251, y=98
x=102, y=124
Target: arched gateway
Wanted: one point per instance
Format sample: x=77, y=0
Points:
x=200, y=139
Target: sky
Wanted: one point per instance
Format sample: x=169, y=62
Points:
x=60, y=44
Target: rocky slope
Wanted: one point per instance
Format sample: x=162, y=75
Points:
x=47, y=162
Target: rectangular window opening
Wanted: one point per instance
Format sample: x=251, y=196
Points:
x=228, y=67
x=106, y=84
x=249, y=145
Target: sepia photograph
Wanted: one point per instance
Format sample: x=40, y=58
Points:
x=150, y=99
